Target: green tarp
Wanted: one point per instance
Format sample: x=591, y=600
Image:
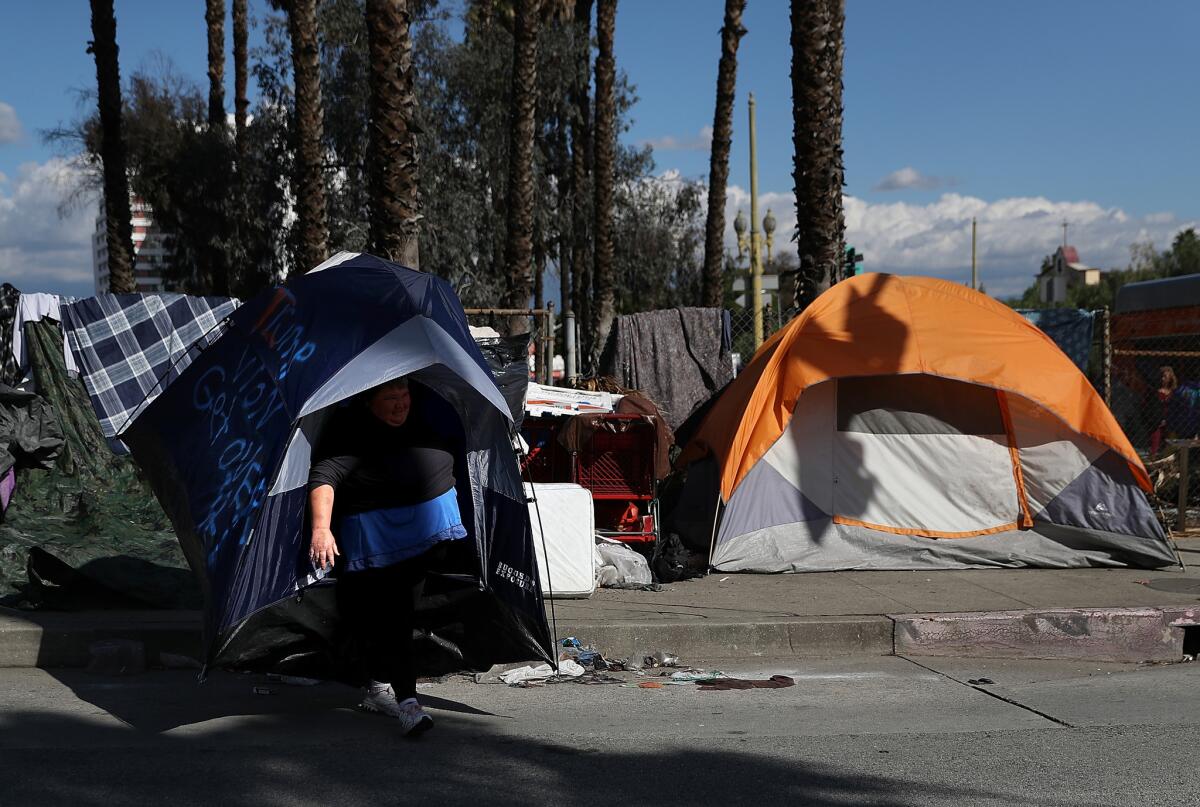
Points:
x=91, y=510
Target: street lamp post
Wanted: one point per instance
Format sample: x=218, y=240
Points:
x=755, y=262
x=750, y=244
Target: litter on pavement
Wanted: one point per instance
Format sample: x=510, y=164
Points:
x=774, y=682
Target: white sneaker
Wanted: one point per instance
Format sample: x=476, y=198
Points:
x=413, y=719
x=381, y=701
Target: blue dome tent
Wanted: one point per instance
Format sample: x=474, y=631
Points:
x=227, y=449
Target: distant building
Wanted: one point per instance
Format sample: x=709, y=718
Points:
x=151, y=256
x=1064, y=272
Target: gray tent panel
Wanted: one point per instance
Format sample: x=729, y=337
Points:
x=1104, y=498
x=769, y=501
x=827, y=547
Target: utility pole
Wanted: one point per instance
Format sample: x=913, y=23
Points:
x=755, y=263
x=974, y=266
x=1064, y=226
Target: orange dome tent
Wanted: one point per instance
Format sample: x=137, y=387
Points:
x=896, y=413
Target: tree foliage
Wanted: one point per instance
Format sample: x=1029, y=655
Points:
x=194, y=179
x=1145, y=263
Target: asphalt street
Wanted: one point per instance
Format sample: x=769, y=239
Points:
x=885, y=731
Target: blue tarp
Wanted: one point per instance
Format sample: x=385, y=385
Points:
x=1070, y=328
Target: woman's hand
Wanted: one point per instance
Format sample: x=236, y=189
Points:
x=322, y=549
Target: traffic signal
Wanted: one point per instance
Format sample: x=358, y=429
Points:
x=853, y=264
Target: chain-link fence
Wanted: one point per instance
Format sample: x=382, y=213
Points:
x=1153, y=389
x=742, y=329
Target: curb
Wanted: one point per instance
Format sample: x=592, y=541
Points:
x=64, y=640
x=1081, y=634
x=808, y=637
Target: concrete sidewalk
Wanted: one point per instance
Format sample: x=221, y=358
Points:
x=1093, y=614
x=1098, y=614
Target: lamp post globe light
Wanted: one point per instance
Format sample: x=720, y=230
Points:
x=769, y=224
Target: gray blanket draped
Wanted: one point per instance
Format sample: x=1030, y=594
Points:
x=678, y=357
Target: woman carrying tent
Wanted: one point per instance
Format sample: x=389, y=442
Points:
x=389, y=488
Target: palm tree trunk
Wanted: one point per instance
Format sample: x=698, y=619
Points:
x=393, y=190
x=606, y=17
x=214, y=16
x=213, y=271
x=581, y=287
x=117, y=214
x=518, y=244
x=712, y=285
x=562, y=212
x=241, y=104
x=238, y=273
x=817, y=46
x=310, y=179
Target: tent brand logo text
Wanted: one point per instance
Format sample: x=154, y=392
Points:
x=517, y=578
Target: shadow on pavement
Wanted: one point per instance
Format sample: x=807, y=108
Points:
x=308, y=748
x=159, y=701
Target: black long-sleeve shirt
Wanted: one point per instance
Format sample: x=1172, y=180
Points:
x=373, y=466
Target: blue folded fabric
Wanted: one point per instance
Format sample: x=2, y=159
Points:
x=377, y=538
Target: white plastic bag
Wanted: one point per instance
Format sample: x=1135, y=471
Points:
x=539, y=673
x=627, y=566
x=566, y=668
x=570, y=669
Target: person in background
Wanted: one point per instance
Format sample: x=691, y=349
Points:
x=1167, y=384
x=383, y=504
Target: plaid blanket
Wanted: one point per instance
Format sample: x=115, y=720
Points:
x=129, y=347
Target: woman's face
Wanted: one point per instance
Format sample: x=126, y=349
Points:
x=391, y=405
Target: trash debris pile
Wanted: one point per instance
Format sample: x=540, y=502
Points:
x=583, y=664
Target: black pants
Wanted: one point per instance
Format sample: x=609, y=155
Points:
x=376, y=609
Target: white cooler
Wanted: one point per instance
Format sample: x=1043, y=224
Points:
x=568, y=526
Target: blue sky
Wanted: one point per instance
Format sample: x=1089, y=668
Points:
x=1018, y=113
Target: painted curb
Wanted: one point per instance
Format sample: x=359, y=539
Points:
x=1091, y=634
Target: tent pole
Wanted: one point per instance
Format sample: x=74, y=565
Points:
x=712, y=541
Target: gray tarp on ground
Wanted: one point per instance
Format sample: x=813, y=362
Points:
x=678, y=357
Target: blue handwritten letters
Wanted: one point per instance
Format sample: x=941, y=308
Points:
x=246, y=424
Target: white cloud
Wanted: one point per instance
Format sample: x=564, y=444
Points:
x=10, y=126
x=39, y=249
x=935, y=239
x=909, y=178
x=1013, y=236
x=701, y=142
